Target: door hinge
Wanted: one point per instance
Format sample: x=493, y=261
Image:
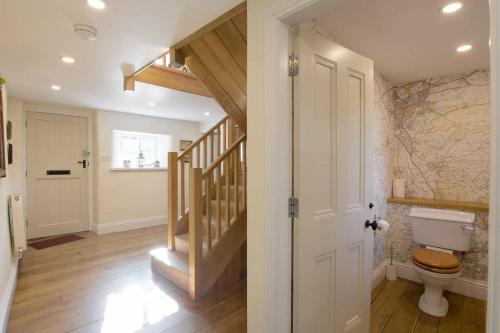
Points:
x=293, y=66
x=293, y=207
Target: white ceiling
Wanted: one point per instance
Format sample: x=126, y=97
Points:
x=35, y=34
x=410, y=40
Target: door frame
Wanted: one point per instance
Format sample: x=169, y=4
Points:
x=272, y=275
x=75, y=112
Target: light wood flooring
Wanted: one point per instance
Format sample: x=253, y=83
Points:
x=394, y=309
x=104, y=284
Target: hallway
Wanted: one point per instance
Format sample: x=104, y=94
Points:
x=105, y=284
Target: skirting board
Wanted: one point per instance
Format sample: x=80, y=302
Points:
x=6, y=301
x=378, y=275
x=107, y=228
x=464, y=286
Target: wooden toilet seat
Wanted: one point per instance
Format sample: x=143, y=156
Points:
x=436, y=261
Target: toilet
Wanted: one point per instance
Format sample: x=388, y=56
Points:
x=439, y=232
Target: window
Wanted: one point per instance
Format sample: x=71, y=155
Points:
x=140, y=150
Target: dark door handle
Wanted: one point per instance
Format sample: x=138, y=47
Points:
x=373, y=224
x=83, y=163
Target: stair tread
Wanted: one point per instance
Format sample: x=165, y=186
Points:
x=171, y=259
x=182, y=243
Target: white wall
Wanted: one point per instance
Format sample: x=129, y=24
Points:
x=132, y=197
x=493, y=315
x=119, y=200
x=14, y=182
x=260, y=317
x=211, y=121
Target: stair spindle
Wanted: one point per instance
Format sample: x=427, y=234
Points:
x=244, y=163
x=208, y=192
x=227, y=174
x=218, y=179
x=182, y=167
x=236, y=175
x=205, y=153
x=198, y=162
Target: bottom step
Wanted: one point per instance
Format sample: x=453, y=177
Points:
x=172, y=265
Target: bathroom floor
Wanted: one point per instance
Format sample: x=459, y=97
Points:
x=395, y=309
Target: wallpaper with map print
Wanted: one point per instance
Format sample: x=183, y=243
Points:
x=434, y=134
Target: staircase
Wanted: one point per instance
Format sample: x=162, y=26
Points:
x=206, y=236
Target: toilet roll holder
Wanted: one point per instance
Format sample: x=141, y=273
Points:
x=373, y=224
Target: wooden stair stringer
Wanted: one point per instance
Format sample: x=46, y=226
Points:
x=217, y=55
x=219, y=259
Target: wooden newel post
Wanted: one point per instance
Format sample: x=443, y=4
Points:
x=172, y=200
x=195, y=231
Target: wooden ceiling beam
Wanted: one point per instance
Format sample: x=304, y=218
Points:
x=168, y=78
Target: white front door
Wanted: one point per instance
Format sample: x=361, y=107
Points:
x=333, y=159
x=57, y=177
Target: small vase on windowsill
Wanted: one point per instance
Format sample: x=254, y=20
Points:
x=140, y=160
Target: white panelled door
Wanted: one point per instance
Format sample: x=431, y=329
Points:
x=333, y=160
x=57, y=174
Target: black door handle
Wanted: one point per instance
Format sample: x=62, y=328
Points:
x=83, y=163
x=373, y=224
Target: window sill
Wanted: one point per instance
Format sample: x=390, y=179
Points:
x=138, y=169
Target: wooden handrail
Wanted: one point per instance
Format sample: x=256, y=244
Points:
x=203, y=137
x=137, y=72
x=221, y=158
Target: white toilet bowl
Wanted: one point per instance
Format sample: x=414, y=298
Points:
x=432, y=300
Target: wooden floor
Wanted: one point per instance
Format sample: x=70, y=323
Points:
x=105, y=284
x=394, y=309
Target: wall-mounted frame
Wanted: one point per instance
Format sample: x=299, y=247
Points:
x=183, y=145
x=10, y=153
x=9, y=129
x=3, y=166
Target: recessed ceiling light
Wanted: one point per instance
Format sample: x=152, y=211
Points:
x=55, y=87
x=451, y=7
x=464, y=48
x=97, y=4
x=207, y=113
x=68, y=60
x=152, y=104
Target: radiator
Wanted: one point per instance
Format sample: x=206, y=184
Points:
x=17, y=225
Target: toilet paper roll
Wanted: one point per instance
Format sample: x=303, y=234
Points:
x=382, y=227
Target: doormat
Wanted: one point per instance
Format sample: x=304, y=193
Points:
x=54, y=241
